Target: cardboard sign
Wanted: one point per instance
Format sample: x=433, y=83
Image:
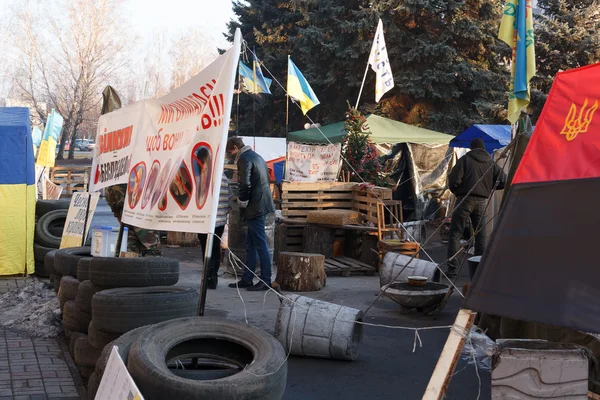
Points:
x=53, y=191
x=73, y=232
x=178, y=154
x=116, y=383
x=309, y=163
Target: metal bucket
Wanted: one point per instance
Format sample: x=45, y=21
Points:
x=473, y=264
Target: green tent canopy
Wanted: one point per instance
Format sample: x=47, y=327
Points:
x=383, y=130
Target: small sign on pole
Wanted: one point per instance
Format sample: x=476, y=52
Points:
x=78, y=215
x=116, y=383
x=313, y=163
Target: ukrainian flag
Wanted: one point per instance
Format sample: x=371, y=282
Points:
x=17, y=192
x=299, y=89
x=47, y=151
x=253, y=80
x=516, y=30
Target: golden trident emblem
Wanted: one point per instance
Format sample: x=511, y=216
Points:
x=576, y=124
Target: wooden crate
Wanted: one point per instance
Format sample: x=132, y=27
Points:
x=71, y=178
x=345, y=266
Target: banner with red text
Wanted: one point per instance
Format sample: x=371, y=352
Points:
x=313, y=163
x=178, y=152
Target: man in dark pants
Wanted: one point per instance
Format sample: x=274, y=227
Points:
x=472, y=180
x=255, y=200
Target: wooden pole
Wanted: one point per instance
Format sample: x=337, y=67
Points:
x=362, y=85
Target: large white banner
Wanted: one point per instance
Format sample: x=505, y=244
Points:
x=313, y=163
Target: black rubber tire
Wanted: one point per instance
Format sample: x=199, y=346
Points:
x=55, y=281
x=124, y=309
x=123, y=343
x=74, y=336
x=68, y=334
x=86, y=291
x=85, y=354
x=39, y=252
x=74, y=319
x=100, y=339
x=264, y=377
x=43, y=235
x=69, y=287
x=49, y=262
x=65, y=260
x=85, y=372
x=83, y=269
x=134, y=272
x=43, y=207
x=40, y=270
x=93, y=385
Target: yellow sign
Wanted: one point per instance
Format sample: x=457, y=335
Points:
x=578, y=123
x=74, y=231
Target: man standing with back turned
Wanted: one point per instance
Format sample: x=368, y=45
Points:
x=255, y=201
x=475, y=176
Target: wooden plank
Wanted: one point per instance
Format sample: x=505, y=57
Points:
x=298, y=186
x=357, y=262
x=340, y=265
x=353, y=267
x=593, y=396
x=314, y=204
x=317, y=196
x=442, y=374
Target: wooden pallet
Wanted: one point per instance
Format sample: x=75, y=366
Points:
x=345, y=266
x=71, y=178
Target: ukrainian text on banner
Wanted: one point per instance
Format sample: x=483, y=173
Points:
x=115, y=137
x=177, y=159
x=308, y=163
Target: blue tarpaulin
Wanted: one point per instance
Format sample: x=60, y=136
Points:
x=494, y=136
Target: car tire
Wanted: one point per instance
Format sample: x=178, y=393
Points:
x=68, y=289
x=43, y=236
x=83, y=269
x=72, y=339
x=74, y=319
x=123, y=343
x=65, y=260
x=124, y=309
x=43, y=207
x=86, y=291
x=134, y=272
x=85, y=354
x=55, y=281
x=93, y=385
x=49, y=262
x=261, y=360
x=100, y=339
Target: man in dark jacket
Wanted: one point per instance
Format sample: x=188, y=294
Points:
x=254, y=198
x=472, y=180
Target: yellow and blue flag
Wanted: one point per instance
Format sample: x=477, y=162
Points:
x=46, y=153
x=516, y=30
x=253, y=80
x=299, y=89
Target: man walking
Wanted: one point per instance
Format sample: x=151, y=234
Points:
x=255, y=201
x=472, y=180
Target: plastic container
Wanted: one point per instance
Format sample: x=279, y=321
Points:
x=104, y=240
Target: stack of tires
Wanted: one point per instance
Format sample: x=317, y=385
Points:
x=50, y=217
x=233, y=361
x=117, y=295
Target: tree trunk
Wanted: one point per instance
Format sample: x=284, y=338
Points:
x=301, y=272
x=182, y=239
x=318, y=240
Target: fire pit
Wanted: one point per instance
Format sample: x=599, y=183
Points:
x=423, y=298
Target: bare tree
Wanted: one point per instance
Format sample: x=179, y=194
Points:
x=66, y=60
x=189, y=55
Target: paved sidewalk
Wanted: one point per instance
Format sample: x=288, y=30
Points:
x=8, y=284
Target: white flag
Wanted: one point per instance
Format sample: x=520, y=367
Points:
x=380, y=63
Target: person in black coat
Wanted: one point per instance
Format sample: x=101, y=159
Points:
x=255, y=201
x=472, y=180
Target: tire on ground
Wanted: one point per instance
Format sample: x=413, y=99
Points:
x=49, y=262
x=134, y=272
x=85, y=354
x=93, y=385
x=39, y=253
x=83, y=269
x=43, y=207
x=43, y=235
x=72, y=339
x=65, y=260
x=40, y=270
x=123, y=343
x=100, y=339
x=124, y=309
x=74, y=319
x=55, y=281
x=86, y=291
x=69, y=287
x=261, y=359
x=85, y=372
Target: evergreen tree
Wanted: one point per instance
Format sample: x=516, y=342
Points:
x=567, y=36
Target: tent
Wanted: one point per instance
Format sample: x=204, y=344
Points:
x=494, y=136
x=276, y=169
x=541, y=262
x=383, y=130
x=17, y=192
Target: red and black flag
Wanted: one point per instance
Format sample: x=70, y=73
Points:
x=543, y=261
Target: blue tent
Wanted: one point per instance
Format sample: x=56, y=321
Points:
x=494, y=136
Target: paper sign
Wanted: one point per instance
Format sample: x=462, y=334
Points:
x=53, y=191
x=313, y=163
x=116, y=383
x=73, y=232
x=178, y=154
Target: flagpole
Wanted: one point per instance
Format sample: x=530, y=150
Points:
x=237, y=125
x=362, y=85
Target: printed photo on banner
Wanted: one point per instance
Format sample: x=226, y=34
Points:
x=313, y=163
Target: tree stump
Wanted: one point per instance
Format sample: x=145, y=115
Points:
x=301, y=272
x=318, y=240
